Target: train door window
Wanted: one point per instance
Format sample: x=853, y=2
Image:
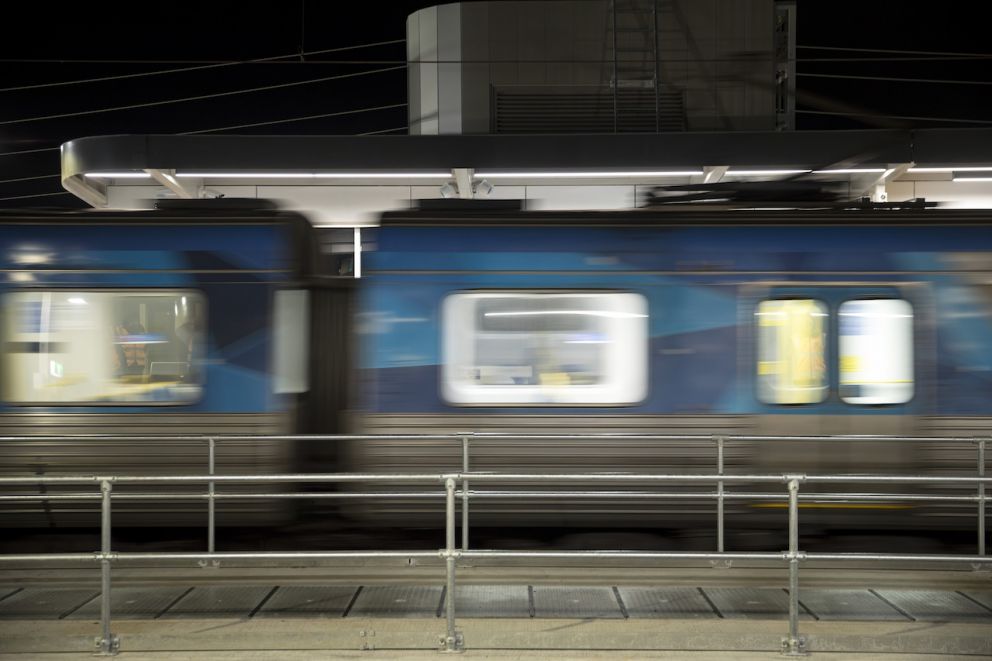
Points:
x=67, y=347
x=876, y=351
x=792, y=365
x=536, y=348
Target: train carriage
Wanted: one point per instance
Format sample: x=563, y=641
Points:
x=177, y=321
x=676, y=321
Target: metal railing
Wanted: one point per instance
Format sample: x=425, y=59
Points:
x=452, y=641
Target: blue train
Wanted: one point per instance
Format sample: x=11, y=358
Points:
x=221, y=319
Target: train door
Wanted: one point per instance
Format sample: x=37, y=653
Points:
x=836, y=358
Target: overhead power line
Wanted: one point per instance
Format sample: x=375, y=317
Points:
x=214, y=65
x=296, y=119
x=40, y=176
x=200, y=97
x=27, y=151
x=886, y=50
x=891, y=79
x=921, y=119
x=380, y=131
x=24, y=197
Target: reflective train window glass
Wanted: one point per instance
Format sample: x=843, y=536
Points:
x=544, y=348
x=876, y=351
x=102, y=347
x=792, y=351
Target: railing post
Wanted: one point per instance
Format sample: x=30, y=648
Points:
x=719, y=494
x=108, y=643
x=794, y=645
x=211, y=504
x=453, y=640
x=464, y=492
x=981, y=497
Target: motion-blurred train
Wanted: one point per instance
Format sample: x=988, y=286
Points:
x=219, y=317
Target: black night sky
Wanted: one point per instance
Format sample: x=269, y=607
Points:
x=53, y=43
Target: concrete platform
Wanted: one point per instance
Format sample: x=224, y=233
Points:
x=41, y=619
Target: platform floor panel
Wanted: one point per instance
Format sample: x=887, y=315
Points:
x=44, y=603
x=849, y=605
x=937, y=606
x=132, y=603
x=219, y=601
x=309, y=601
x=666, y=603
x=491, y=601
x=752, y=603
x=560, y=602
x=397, y=601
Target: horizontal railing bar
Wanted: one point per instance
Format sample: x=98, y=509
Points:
x=476, y=553
x=298, y=477
x=226, y=555
x=491, y=477
x=687, y=495
x=490, y=436
x=899, y=557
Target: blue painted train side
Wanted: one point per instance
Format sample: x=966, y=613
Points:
x=703, y=276
x=217, y=269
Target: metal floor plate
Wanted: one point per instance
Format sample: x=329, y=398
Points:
x=131, y=603
x=665, y=602
x=848, y=605
x=396, y=601
x=934, y=606
x=491, y=601
x=598, y=602
x=984, y=597
x=752, y=603
x=44, y=603
x=219, y=601
x=320, y=601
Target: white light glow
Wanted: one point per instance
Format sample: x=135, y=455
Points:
x=589, y=175
x=314, y=175
x=943, y=169
x=76, y=300
x=851, y=171
x=587, y=313
x=117, y=175
x=961, y=180
x=761, y=173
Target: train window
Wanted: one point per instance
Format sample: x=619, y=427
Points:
x=876, y=351
x=552, y=349
x=67, y=347
x=792, y=351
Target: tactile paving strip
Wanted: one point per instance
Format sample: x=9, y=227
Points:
x=296, y=601
x=598, y=602
x=131, y=603
x=665, y=602
x=219, y=601
x=44, y=603
x=396, y=601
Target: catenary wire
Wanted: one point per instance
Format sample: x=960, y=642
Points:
x=215, y=65
x=200, y=97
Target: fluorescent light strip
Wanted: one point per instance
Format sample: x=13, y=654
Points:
x=851, y=171
x=759, y=173
x=959, y=180
x=588, y=175
x=117, y=175
x=967, y=169
x=315, y=175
